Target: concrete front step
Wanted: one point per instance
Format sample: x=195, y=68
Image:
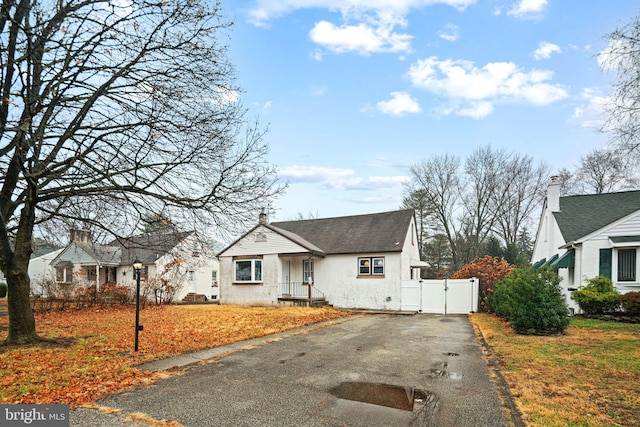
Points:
x=302, y=302
x=193, y=297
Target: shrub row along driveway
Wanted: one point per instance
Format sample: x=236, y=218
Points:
x=309, y=379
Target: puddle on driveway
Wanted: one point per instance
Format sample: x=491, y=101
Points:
x=445, y=374
x=392, y=396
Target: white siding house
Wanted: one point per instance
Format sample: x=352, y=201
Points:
x=353, y=262
x=589, y=235
x=179, y=258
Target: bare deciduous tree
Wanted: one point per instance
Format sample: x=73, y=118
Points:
x=111, y=111
x=483, y=169
x=437, y=181
x=604, y=171
x=523, y=185
x=495, y=196
x=622, y=57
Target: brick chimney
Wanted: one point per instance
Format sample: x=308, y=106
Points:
x=82, y=235
x=262, y=218
x=553, y=194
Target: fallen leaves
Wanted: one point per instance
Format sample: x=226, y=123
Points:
x=97, y=358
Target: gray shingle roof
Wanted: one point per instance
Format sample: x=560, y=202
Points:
x=148, y=247
x=582, y=215
x=380, y=232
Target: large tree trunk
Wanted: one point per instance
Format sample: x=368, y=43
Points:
x=22, y=324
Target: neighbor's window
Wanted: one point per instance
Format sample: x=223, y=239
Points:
x=63, y=274
x=307, y=270
x=627, y=265
x=192, y=275
x=214, y=278
x=248, y=270
x=371, y=266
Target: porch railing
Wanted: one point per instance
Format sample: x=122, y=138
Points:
x=298, y=290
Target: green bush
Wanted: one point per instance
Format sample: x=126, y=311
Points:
x=597, y=296
x=631, y=303
x=531, y=301
x=3, y=290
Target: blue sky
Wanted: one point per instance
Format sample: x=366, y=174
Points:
x=354, y=92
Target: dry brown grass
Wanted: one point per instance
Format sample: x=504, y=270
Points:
x=588, y=377
x=94, y=357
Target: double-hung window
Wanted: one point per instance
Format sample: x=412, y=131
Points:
x=371, y=266
x=307, y=271
x=248, y=270
x=64, y=274
x=627, y=265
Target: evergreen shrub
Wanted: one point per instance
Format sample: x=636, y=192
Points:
x=531, y=301
x=597, y=296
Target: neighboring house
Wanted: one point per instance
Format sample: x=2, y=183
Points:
x=589, y=235
x=354, y=261
x=40, y=270
x=176, y=257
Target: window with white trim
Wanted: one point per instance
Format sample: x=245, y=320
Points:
x=64, y=274
x=307, y=271
x=627, y=265
x=214, y=278
x=371, y=266
x=248, y=270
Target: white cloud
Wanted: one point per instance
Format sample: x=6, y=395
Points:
x=591, y=112
x=312, y=173
x=361, y=38
x=227, y=96
x=400, y=103
x=476, y=110
x=339, y=179
x=264, y=11
x=527, y=8
x=367, y=26
x=616, y=57
x=451, y=33
x=545, y=49
x=369, y=183
x=473, y=91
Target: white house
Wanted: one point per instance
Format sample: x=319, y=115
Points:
x=177, y=258
x=40, y=269
x=589, y=235
x=354, y=261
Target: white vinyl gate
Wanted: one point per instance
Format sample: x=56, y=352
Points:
x=447, y=296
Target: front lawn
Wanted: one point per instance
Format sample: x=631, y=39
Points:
x=588, y=377
x=93, y=357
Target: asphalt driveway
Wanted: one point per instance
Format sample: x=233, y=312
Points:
x=373, y=370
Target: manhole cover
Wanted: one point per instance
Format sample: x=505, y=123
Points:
x=392, y=396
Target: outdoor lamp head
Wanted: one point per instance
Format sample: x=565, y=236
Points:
x=137, y=264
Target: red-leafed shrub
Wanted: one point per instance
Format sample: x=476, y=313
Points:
x=488, y=270
x=631, y=303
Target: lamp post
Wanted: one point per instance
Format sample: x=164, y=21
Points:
x=137, y=265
